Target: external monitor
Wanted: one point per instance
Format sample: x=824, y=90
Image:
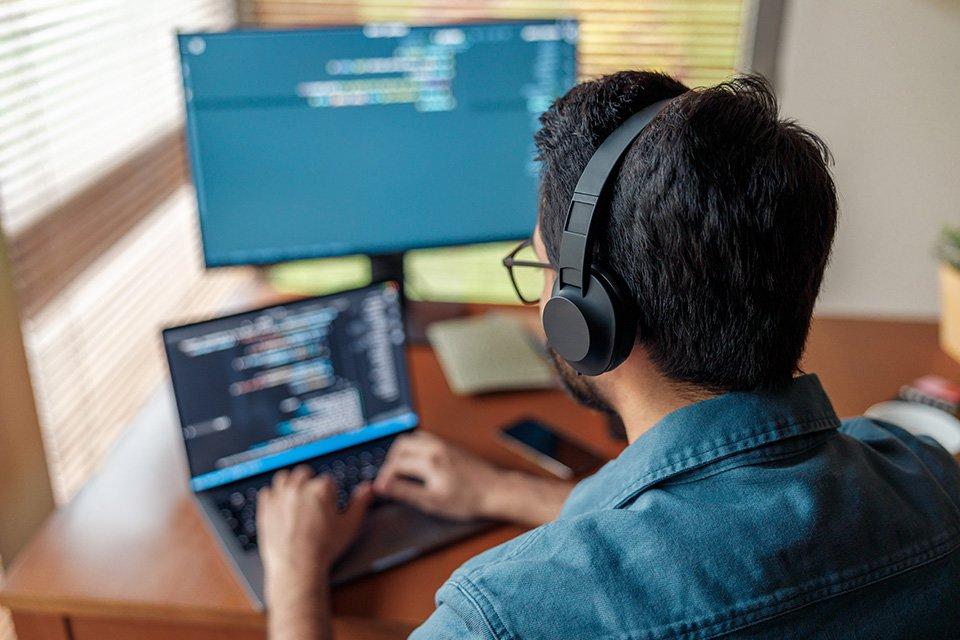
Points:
x=368, y=140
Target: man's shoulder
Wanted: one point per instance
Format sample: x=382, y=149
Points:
x=569, y=574
x=911, y=453
x=562, y=544
x=658, y=564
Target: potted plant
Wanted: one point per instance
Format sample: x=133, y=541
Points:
x=948, y=249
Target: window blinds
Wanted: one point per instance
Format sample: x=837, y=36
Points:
x=697, y=40
x=94, y=350
x=97, y=210
x=84, y=84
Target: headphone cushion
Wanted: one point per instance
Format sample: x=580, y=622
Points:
x=626, y=320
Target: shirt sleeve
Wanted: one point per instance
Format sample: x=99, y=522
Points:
x=938, y=461
x=457, y=617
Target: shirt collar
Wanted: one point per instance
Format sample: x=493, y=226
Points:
x=703, y=432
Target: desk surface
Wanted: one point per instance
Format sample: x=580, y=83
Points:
x=132, y=544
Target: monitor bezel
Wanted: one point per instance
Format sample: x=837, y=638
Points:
x=306, y=254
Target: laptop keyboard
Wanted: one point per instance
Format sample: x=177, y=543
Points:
x=239, y=505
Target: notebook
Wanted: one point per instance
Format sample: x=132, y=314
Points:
x=488, y=353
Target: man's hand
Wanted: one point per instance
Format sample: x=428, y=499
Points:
x=436, y=477
x=301, y=533
x=442, y=479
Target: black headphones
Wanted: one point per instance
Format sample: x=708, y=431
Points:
x=590, y=319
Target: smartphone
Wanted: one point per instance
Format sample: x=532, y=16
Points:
x=554, y=452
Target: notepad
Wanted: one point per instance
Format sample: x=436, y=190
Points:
x=488, y=353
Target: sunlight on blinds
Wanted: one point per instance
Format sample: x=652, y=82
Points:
x=697, y=40
x=83, y=85
x=95, y=351
x=96, y=209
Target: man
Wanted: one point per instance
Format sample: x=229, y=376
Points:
x=742, y=505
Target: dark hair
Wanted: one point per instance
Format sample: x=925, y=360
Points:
x=720, y=222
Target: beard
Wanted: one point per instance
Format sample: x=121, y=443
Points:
x=580, y=388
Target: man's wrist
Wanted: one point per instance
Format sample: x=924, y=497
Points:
x=524, y=499
x=496, y=500
x=298, y=610
x=292, y=595
x=296, y=588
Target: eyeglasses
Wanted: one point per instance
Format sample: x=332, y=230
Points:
x=526, y=272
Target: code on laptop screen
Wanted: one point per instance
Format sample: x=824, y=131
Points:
x=266, y=389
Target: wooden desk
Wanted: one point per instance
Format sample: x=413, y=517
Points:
x=130, y=557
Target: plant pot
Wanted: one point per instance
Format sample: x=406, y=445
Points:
x=950, y=310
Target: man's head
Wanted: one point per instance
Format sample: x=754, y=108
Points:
x=720, y=223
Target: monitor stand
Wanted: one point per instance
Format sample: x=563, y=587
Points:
x=419, y=314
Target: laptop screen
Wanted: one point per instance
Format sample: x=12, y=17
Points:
x=269, y=388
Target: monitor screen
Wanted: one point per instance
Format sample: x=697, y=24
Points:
x=375, y=139
x=269, y=388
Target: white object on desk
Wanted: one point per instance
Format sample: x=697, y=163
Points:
x=493, y=352
x=920, y=420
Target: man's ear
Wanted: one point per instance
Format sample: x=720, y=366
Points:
x=549, y=275
x=538, y=247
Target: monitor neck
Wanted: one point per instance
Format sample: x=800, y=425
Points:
x=388, y=266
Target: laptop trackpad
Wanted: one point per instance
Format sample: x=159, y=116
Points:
x=394, y=533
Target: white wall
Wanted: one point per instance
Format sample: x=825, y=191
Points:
x=880, y=82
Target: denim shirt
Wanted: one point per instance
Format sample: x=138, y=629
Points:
x=748, y=515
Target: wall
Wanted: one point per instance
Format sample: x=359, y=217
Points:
x=880, y=82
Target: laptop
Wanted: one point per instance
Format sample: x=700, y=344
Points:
x=321, y=381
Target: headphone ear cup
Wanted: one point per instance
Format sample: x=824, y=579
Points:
x=593, y=333
x=567, y=325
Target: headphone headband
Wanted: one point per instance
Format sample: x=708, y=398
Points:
x=590, y=319
x=576, y=242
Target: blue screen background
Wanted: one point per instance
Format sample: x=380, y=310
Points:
x=446, y=158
